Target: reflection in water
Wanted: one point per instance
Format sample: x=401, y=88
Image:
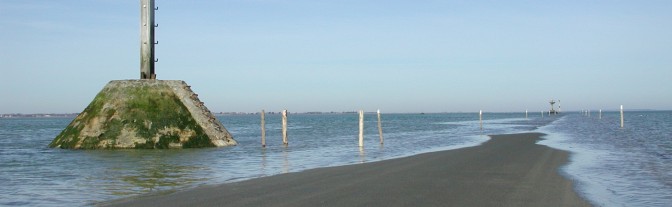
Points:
x=263, y=161
x=136, y=172
x=285, y=161
x=362, y=155
x=161, y=175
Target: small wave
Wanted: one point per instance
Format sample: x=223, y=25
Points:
x=612, y=166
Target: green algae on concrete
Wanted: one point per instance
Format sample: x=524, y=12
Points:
x=147, y=114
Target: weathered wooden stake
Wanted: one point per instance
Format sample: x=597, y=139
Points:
x=361, y=128
x=147, y=39
x=263, y=128
x=480, y=118
x=622, y=116
x=284, y=127
x=380, y=128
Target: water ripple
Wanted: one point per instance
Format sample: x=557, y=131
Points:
x=32, y=174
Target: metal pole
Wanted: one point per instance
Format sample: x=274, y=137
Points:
x=147, y=25
x=622, y=116
x=361, y=128
x=480, y=118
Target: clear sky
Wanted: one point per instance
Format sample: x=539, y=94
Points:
x=399, y=56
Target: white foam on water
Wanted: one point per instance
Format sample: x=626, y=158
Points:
x=606, y=171
x=588, y=184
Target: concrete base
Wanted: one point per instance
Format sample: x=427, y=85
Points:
x=147, y=114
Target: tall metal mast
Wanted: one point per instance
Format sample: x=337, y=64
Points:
x=147, y=43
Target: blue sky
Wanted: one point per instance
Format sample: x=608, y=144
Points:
x=399, y=56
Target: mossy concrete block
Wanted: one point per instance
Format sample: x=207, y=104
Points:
x=152, y=114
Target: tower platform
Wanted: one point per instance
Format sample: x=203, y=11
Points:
x=146, y=113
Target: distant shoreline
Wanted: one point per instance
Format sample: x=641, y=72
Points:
x=72, y=115
x=19, y=115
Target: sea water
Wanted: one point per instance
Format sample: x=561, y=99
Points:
x=614, y=166
x=34, y=175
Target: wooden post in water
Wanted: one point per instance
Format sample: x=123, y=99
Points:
x=526, y=114
x=600, y=113
x=380, y=128
x=263, y=128
x=542, y=114
x=361, y=128
x=480, y=118
x=622, y=116
x=284, y=127
x=147, y=39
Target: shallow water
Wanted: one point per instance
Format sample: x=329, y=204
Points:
x=32, y=174
x=614, y=166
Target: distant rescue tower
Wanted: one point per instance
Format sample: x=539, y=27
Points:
x=552, y=111
x=147, y=39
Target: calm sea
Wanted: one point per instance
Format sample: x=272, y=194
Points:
x=612, y=166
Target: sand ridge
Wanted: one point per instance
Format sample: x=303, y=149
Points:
x=507, y=170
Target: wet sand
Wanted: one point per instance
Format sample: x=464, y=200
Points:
x=508, y=170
